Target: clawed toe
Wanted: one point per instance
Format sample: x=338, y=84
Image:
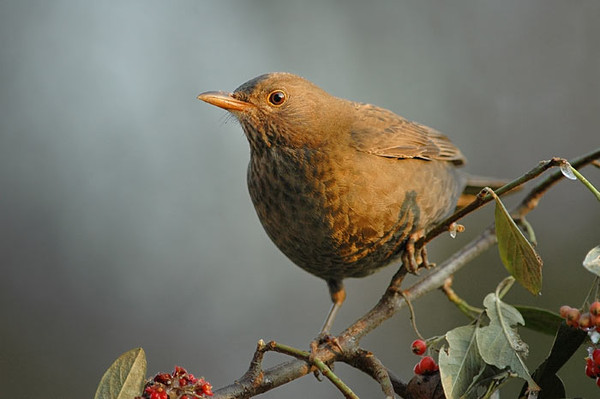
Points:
x=325, y=338
x=414, y=258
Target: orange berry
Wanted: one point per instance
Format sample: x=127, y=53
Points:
x=573, y=317
x=595, y=308
x=585, y=321
x=564, y=309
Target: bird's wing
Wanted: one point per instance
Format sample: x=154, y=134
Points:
x=381, y=132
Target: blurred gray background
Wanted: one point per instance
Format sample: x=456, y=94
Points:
x=124, y=214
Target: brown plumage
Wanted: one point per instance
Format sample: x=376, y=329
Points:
x=340, y=187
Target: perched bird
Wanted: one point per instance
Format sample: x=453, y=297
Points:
x=342, y=188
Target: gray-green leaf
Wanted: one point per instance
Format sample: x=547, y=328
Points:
x=460, y=362
x=499, y=344
x=516, y=253
x=124, y=379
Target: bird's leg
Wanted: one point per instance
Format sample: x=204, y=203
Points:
x=338, y=295
x=413, y=258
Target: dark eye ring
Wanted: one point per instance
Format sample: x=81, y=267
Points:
x=277, y=97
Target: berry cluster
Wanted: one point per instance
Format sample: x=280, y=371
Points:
x=426, y=365
x=176, y=385
x=586, y=321
x=590, y=322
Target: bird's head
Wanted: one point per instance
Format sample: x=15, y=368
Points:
x=282, y=109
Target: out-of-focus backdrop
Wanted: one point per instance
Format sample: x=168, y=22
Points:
x=124, y=214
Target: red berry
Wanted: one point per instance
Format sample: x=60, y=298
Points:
x=207, y=389
x=589, y=368
x=598, y=381
x=418, y=347
x=595, y=308
x=596, y=356
x=156, y=393
x=179, y=371
x=428, y=365
x=564, y=309
x=204, y=387
x=192, y=379
x=417, y=369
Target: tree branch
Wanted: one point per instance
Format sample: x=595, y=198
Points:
x=256, y=380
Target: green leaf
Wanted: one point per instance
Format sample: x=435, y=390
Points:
x=499, y=344
x=516, y=253
x=460, y=362
x=592, y=261
x=540, y=320
x=124, y=379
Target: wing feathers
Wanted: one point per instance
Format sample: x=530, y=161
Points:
x=381, y=132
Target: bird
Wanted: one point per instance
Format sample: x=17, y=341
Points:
x=342, y=188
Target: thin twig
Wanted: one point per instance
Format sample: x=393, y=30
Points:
x=319, y=364
x=254, y=374
x=413, y=317
x=471, y=312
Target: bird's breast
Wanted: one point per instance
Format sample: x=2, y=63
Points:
x=335, y=217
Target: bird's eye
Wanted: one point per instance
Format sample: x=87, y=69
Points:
x=277, y=97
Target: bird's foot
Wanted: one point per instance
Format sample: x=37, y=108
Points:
x=324, y=338
x=327, y=339
x=414, y=258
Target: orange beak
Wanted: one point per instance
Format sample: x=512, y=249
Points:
x=224, y=100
